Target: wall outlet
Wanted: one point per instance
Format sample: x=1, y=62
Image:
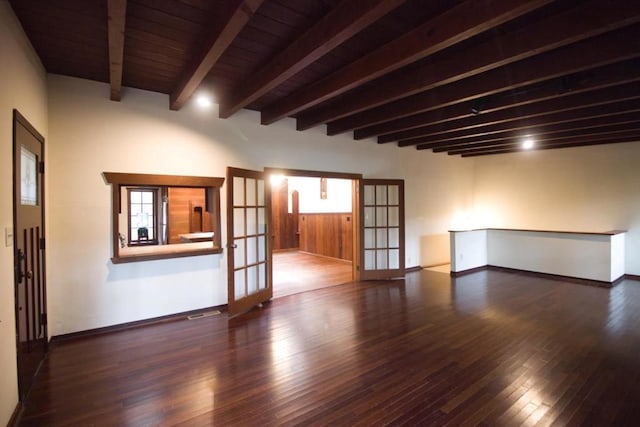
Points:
x=8, y=236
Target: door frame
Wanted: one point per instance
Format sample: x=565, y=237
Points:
x=19, y=119
x=355, y=179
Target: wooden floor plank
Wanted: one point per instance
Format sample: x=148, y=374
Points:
x=490, y=348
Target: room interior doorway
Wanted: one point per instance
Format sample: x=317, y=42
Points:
x=314, y=232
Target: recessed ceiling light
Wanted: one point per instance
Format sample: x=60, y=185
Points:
x=527, y=144
x=203, y=100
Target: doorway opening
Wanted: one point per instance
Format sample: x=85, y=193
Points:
x=313, y=230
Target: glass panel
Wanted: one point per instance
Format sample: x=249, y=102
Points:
x=381, y=195
x=394, y=237
x=381, y=237
x=238, y=254
x=136, y=197
x=150, y=233
x=370, y=260
x=394, y=194
x=252, y=280
x=252, y=221
x=369, y=238
x=369, y=217
x=238, y=191
x=28, y=177
x=262, y=249
x=238, y=222
x=369, y=195
x=394, y=217
x=135, y=209
x=262, y=276
x=251, y=192
x=238, y=284
x=381, y=217
x=394, y=259
x=262, y=222
x=260, y=192
x=252, y=250
x=381, y=258
x=147, y=197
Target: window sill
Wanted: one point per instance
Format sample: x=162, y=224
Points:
x=149, y=253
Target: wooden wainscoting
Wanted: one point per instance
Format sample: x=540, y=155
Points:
x=328, y=234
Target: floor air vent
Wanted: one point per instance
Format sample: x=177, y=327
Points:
x=201, y=315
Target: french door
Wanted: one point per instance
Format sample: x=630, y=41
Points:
x=29, y=254
x=248, y=257
x=381, y=229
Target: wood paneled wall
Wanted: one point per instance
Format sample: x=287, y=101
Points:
x=187, y=212
x=328, y=234
x=285, y=224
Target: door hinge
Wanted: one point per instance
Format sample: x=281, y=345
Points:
x=42, y=244
x=43, y=319
x=41, y=167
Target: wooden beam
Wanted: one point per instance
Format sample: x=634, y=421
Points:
x=557, y=145
x=541, y=142
x=601, y=78
x=116, y=11
x=471, y=18
x=236, y=16
x=548, y=108
x=602, y=50
x=598, y=121
x=587, y=20
x=340, y=24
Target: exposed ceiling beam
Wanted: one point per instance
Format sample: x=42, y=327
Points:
x=587, y=20
x=557, y=145
x=471, y=17
x=545, y=109
x=605, y=119
x=591, y=53
x=237, y=14
x=541, y=142
x=601, y=78
x=340, y=24
x=116, y=11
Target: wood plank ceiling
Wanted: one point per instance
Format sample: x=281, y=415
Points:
x=467, y=78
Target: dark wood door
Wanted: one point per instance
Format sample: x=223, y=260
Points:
x=381, y=228
x=249, y=251
x=29, y=253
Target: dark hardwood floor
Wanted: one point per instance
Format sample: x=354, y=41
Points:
x=489, y=348
x=295, y=271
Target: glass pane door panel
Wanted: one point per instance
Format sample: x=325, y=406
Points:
x=369, y=217
x=238, y=191
x=394, y=238
x=260, y=192
x=262, y=224
x=238, y=222
x=381, y=195
x=252, y=250
x=369, y=195
x=239, y=284
x=369, y=238
x=252, y=279
x=394, y=258
x=381, y=259
x=252, y=221
x=251, y=192
x=369, y=259
x=393, y=194
x=262, y=276
x=238, y=253
x=394, y=216
x=262, y=249
x=381, y=238
x=381, y=217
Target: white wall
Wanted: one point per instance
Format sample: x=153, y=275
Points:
x=338, y=199
x=576, y=189
x=469, y=250
x=22, y=86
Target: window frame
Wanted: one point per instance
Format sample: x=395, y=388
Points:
x=212, y=186
x=154, y=192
